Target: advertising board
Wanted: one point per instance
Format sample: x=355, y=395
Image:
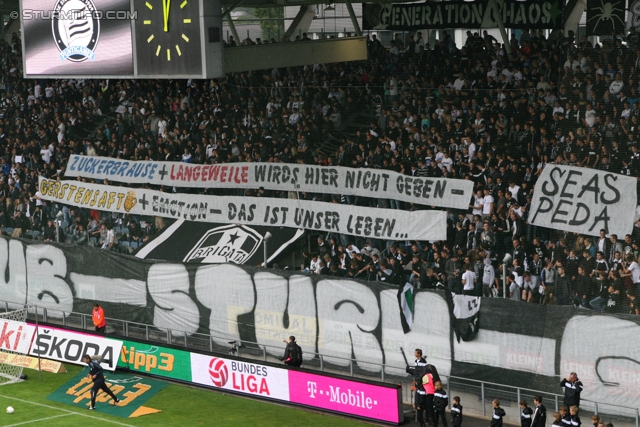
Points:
x=70, y=346
x=155, y=360
x=365, y=400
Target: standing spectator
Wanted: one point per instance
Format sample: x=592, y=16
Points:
x=549, y=278
x=572, y=389
x=575, y=419
x=539, y=418
x=498, y=413
x=292, y=353
x=633, y=271
x=468, y=280
x=440, y=403
x=563, y=286
x=490, y=283
x=456, y=412
x=557, y=420
x=525, y=414
x=99, y=321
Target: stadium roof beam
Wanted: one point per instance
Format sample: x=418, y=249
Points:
x=232, y=27
x=354, y=19
x=229, y=9
x=282, y=55
x=298, y=20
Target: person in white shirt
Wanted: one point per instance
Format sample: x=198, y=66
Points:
x=49, y=91
x=472, y=151
x=110, y=238
x=557, y=109
x=616, y=86
x=487, y=204
x=634, y=271
x=589, y=116
x=352, y=250
x=468, y=280
x=459, y=82
x=477, y=206
x=314, y=265
x=446, y=162
x=514, y=190
x=46, y=154
x=294, y=117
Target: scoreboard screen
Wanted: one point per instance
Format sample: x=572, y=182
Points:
x=121, y=38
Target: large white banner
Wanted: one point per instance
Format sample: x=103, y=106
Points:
x=380, y=184
x=584, y=201
x=326, y=217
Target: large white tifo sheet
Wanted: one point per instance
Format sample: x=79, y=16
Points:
x=584, y=201
x=326, y=217
x=379, y=184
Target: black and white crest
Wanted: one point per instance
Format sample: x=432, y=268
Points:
x=230, y=243
x=634, y=8
x=605, y=17
x=76, y=29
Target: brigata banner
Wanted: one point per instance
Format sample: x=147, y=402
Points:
x=379, y=184
x=462, y=14
x=366, y=400
x=325, y=217
x=70, y=346
x=582, y=200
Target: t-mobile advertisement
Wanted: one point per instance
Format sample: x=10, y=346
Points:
x=350, y=397
x=375, y=402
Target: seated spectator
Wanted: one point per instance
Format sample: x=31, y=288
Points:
x=80, y=235
x=49, y=234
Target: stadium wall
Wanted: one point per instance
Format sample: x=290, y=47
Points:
x=525, y=345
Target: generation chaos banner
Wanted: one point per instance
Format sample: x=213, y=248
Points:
x=462, y=14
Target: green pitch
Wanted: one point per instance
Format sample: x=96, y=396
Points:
x=180, y=405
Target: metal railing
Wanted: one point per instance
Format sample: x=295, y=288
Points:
x=483, y=391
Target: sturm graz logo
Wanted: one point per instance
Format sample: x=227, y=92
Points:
x=75, y=29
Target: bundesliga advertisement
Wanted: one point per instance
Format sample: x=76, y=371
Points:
x=312, y=390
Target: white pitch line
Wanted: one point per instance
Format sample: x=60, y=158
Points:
x=41, y=419
x=66, y=410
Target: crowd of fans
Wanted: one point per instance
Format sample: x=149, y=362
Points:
x=471, y=112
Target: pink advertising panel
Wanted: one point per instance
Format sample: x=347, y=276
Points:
x=349, y=397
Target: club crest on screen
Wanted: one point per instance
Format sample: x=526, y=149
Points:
x=75, y=29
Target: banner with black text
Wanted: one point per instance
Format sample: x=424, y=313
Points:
x=375, y=183
x=462, y=14
x=293, y=213
x=582, y=200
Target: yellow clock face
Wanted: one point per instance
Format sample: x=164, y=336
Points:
x=168, y=41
